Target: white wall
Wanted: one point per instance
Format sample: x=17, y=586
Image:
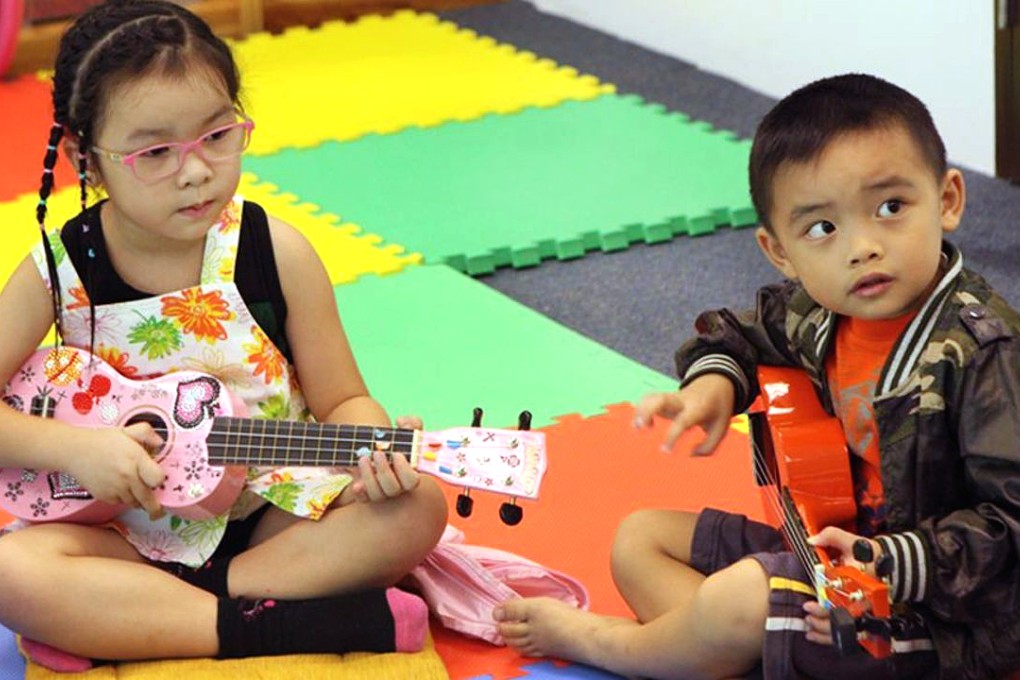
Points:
x=941, y=50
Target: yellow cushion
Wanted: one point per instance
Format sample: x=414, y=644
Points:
x=425, y=665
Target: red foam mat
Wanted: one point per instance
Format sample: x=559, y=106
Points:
x=600, y=470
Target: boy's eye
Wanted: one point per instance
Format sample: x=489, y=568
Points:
x=820, y=229
x=890, y=208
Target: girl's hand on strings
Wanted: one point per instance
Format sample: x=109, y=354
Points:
x=380, y=477
x=115, y=466
x=707, y=402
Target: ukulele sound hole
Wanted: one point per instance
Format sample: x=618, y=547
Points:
x=157, y=423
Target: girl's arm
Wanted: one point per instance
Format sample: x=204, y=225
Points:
x=327, y=371
x=111, y=463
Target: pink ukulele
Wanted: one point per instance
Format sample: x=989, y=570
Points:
x=209, y=444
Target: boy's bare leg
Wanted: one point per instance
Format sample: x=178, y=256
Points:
x=650, y=559
x=717, y=635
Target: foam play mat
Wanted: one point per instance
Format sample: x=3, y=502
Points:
x=600, y=470
x=342, y=80
x=433, y=342
x=516, y=189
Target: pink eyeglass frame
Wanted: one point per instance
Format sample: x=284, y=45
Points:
x=183, y=149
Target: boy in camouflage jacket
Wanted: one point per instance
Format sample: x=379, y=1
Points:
x=919, y=359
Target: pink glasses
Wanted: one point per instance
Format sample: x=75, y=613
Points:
x=157, y=162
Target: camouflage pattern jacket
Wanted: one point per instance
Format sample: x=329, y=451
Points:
x=947, y=406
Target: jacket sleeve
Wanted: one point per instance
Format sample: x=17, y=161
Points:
x=734, y=344
x=966, y=564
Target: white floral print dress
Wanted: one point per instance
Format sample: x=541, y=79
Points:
x=207, y=328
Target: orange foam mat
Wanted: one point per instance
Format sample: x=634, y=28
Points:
x=27, y=114
x=600, y=469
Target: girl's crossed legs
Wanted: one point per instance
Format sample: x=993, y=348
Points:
x=87, y=591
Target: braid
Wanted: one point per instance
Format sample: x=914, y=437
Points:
x=46, y=187
x=49, y=163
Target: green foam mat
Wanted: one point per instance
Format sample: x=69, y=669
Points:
x=433, y=342
x=512, y=190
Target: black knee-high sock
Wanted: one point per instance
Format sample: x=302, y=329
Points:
x=210, y=577
x=359, y=621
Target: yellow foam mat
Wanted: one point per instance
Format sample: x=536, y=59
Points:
x=425, y=665
x=382, y=74
x=345, y=251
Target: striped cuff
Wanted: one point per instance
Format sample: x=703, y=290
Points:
x=909, y=579
x=724, y=365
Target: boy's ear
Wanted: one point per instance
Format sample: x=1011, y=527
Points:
x=953, y=199
x=775, y=252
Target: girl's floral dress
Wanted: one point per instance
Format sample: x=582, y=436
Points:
x=207, y=328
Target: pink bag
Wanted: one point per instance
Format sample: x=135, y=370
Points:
x=463, y=583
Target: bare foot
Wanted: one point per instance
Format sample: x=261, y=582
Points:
x=542, y=626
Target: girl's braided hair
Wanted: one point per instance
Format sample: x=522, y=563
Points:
x=109, y=45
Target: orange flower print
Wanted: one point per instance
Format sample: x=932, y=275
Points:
x=199, y=313
x=229, y=219
x=264, y=356
x=118, y=360
x=81, y=298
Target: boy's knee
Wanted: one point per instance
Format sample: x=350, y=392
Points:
x=731, y=605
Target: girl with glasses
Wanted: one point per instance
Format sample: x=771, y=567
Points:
x=175, y=271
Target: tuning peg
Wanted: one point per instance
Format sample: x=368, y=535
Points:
x=844, y=631
x=465, y=504
x=476, y=417
x=511, y=514
x=524, y=420
x=863, y=550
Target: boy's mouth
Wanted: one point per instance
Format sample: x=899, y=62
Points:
x=871, y=285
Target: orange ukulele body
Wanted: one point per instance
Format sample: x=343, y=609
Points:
x=803, y=466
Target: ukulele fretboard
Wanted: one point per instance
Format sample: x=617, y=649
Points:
x=254, y=441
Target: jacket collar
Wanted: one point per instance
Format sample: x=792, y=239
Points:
x=908, y=348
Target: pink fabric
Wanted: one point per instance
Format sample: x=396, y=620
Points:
x=53, y=658
x=463, y=583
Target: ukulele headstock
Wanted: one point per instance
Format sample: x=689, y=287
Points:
x=510, y=462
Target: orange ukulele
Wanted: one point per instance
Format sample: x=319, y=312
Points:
x=802, y=463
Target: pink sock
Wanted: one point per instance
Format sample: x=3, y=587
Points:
x=410, y=620
x=53, y=658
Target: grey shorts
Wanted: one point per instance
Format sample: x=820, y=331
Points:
x=722, y=538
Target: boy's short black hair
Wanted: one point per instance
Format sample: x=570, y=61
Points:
x=800, y=126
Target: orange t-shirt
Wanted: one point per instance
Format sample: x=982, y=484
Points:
x=853, y=369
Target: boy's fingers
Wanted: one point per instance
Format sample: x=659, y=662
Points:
x=713, y=436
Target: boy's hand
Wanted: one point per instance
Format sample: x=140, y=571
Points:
x=819, y=626
x=707, y=401
x=840, y=545
x=115, y=466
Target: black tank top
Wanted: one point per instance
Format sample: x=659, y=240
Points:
x=255, y=271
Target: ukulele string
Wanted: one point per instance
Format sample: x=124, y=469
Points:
x=797, y=541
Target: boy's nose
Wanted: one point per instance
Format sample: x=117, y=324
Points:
x=864, y=247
